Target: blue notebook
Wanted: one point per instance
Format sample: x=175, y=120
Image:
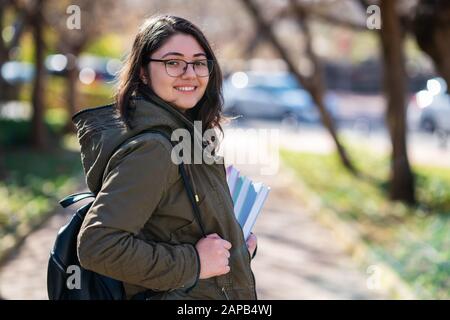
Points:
x=248, y=198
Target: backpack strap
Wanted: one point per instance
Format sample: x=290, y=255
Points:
x=71, y=199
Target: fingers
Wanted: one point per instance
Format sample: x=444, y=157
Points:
x=227, y=245
x=225, y=261
x=251, y=241
x=224, y=252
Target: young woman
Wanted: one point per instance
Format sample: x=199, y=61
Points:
x=141, y=228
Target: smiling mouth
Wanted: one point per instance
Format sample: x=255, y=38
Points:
x=186, y=89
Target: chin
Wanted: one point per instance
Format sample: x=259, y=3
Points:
x=185, y=106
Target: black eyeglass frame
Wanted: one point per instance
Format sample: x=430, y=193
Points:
x=210, y=65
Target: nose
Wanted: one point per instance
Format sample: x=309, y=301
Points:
x=189, y=73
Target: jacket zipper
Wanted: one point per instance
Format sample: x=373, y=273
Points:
x=253, y=276
x=254, y=284
x=249, y=263
x=225, y=293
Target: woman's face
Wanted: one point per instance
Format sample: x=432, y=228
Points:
x=187, y=89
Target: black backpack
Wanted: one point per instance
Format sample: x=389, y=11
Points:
x=63, y=261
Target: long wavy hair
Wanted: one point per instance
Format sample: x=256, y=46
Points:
x=154, y=33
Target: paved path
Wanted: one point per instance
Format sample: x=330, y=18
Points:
x=298, y=258
x=24, y=274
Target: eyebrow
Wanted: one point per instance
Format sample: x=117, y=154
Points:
x=182, y=55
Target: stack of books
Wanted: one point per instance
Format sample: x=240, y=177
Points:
x=248, y=198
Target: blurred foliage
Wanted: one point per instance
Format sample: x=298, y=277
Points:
x=110, y=45
x=34, y=183
x=97, y=93
x=17, y=133
x=25, y=50
x=415, y=241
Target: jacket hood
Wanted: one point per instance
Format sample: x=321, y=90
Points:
x=102, y=130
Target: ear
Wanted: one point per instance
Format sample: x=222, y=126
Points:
x=143, y=75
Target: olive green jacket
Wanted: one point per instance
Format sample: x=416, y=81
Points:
x=141, y=227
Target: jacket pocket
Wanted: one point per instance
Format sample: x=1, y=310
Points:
x=190, y=232
x=184, y=233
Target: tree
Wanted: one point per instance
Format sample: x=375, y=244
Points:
x=8, y=91
x=73, y=41
x=30, y=16
x=431, y=27
x=392, y=39
x=313, y=84
x=36, y=20
x=392, y=34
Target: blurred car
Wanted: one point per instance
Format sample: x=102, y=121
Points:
x=91, y=67
x=17, y=72
x=436, y=117
x=105, y=68
x=272, y=95
x=432, y=107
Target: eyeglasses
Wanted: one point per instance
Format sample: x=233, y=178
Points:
x=178, y=67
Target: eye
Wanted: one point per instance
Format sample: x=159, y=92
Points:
x=173, y=63
x=201, y=63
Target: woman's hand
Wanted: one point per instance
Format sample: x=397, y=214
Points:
x=251, y=244
x=214, y=254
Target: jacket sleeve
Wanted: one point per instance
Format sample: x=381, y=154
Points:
x=137, y=178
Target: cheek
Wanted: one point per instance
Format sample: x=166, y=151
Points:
x=162, y=85
x=203, y=85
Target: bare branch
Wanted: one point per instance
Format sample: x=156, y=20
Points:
x=328, y=18
x=312, y=84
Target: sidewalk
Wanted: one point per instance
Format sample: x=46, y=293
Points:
x=24, y=274
x=297, y=257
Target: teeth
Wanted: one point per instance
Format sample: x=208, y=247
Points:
x=185, y=88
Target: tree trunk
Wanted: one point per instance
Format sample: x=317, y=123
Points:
x=318, y=84
x=432, y=30
x=5, y=87
x=315, y=87
x=2, y=163
x=39, y=134
x=401, y=180
x=72, y=81
x=8, y=91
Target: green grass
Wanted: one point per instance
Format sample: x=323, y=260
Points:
x=17, y=132
x=33, y=184
x=415, y=241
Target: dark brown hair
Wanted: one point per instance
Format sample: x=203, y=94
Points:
x=153, y=33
